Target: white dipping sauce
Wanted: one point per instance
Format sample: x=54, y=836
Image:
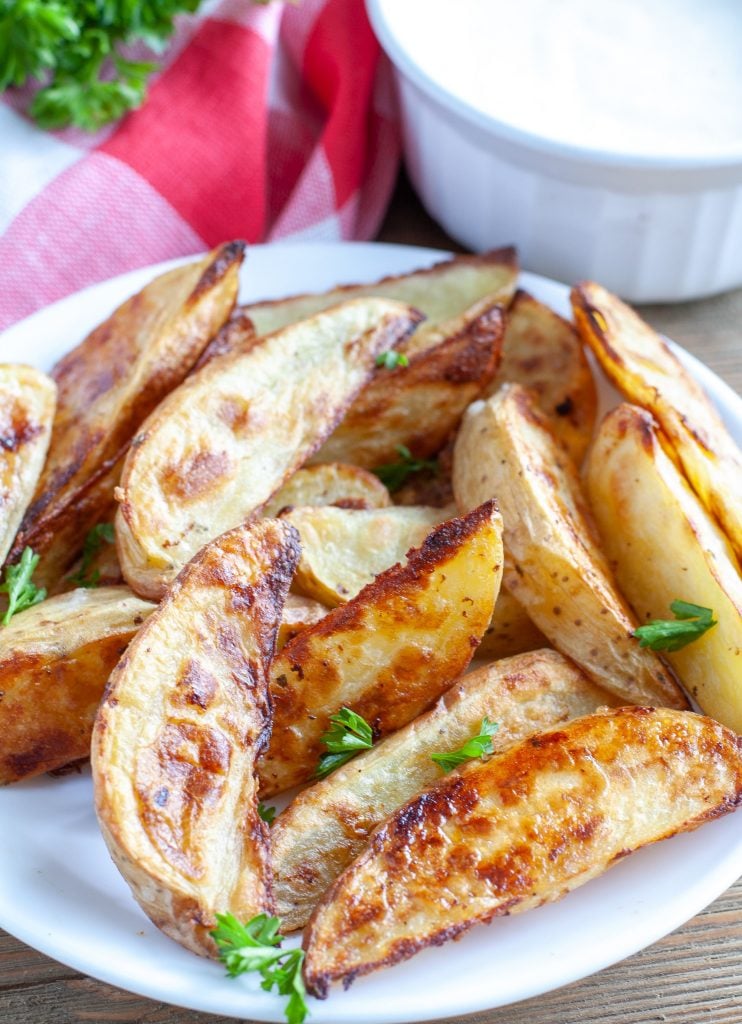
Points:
x=646, y=77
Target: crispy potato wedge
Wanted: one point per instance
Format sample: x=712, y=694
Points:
x=390, y=652
x=544, y=353
x=440, y=292
x=511, y=630
x=185, y=715
x=28, y=399
x=327, y=825
x=55, y=659
x=331, y=483
x=299, y=613
x=229, y=437
x=664, y=546
x=521, y=830
x=237, y=335
x=420, y=404
x=107, y=385
x=343, y=550
x=553, y=565
x=640, y=364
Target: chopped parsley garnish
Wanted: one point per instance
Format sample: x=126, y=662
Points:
x=101, y=534
x=21, y=590
x=392, y=359
x=268, y=814
x=691, y=621
x=394, y=474
x=347, y=736
x=477, y=746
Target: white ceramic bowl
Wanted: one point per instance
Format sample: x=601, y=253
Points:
x=652, y=227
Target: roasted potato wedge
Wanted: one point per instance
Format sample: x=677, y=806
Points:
x=343, y=550
x=237, y=335
x=107, y=385
x=299, y=613
x=185, y=714
x=332, y=483
x=418, y=405
x=544, y=353
x=390, y=652
x=55, y=659
x=440, y=292
x=521, y=830
x=28, y=399
x=640, y=364
x=327, y=825
x=229, y=437
x=511, y=631
x=553, y=565
x=665, y=546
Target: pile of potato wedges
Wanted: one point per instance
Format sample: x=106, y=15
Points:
x=389, y=498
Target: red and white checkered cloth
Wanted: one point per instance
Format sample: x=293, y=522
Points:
x=265, y=123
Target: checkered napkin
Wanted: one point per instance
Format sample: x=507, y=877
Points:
x=265, y=123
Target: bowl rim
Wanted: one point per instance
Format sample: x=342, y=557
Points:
x=493, y=126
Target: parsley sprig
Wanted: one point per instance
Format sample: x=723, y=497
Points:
x=256, y=946
x=394, y=474
x=18, y=585
x=101, y=534
x=392, y=359
x=476, y=746
x=691, y=621
x=268, y=814
x=348, y=734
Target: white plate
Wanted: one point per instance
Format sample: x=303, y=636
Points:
x=60, y=893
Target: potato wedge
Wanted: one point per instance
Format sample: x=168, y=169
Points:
x=28, y=399
x=664, y=546
x=55, y=660
x=331, y=483
x=521, y=830
x=107, y=385
x=229, y=437
x=299, y=613
x=511, y=631
x=553, y=565
x=640, y=364
x=237, y=335
x=343, y=550
x=440, y=292
x=185, y=714
x=420, y=404
x=390, y=652
x=544, y=353
x=327, y=825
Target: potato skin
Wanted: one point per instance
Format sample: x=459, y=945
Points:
x=511, y=631
x=55, y=660
x=390, y=652
x=330, y=483
x=185, y=714
x=520, y=830
x=327, y=825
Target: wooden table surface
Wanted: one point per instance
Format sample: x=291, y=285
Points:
x=692, y=976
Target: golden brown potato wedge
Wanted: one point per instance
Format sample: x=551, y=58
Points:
x=27, y=402
x=55, y=659
x=521, y=830
x=640, y=364
x=327, y=825
x=299, y=613
x=418, y=405
x=440, y=292
x=511, y=631
x=544, y=353
x=665, y=546
x=107, y=385
x=553, y=565
x=185, y=715
x=221, y=444
x=343, y=550
x=237, y=335
x=331, y=483
x=390, y=652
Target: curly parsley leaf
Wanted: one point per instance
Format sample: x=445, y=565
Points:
x=21, y=590
x=394, y=474
x=392, y=359
x=691, y=622
x=477, y=746
x=101, y=534
x=256, y=946
x=348, y=734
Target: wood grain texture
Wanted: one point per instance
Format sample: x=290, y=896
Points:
x=692, y=975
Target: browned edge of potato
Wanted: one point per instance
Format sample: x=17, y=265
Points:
x=330, y=483
x=390, y=652
x=553, y=565
x=238, y=334
x=521, y=830
x=664, y=546
x=511, y=630
x=185, y=714
x=299, y=613
x=219, y=446
x=55, y=660
x=327, y=825
x=643, y=368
